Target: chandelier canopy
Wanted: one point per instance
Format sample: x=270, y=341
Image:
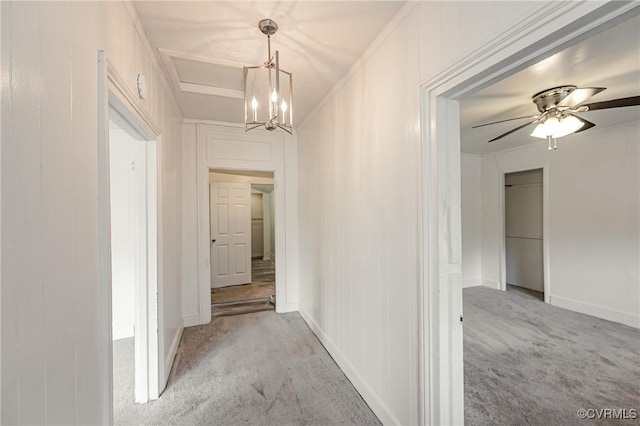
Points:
x=268, y=90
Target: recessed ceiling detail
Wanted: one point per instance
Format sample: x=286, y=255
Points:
x=201, y=43
x=205, y=76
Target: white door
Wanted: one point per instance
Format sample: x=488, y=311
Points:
x=230, y=211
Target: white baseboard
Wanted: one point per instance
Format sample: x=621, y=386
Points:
x=171, y=356
x=597, y=311
x=291, y=307
x=379, y=408
x=491, y=284
x=191, y=320
x=475, y=282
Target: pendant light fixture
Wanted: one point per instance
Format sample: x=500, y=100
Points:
x=268, y=90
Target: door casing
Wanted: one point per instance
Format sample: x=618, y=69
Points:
x=555, y=26
x=114, y=93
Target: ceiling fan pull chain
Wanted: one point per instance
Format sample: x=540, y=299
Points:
x=555, y=143
x=549, y=141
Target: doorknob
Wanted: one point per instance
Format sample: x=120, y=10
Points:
x=213, y=241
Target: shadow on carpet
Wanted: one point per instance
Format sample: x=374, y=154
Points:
x=258, y=369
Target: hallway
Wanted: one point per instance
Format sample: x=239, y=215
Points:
x=260, y=368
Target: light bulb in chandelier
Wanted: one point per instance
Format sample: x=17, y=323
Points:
x=254, y=106
x=271, y=87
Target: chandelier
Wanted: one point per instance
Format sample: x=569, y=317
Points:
x=268, y=90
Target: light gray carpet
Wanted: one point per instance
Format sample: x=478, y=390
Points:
x=527, y=362
x=255, y=369
x=123, y=371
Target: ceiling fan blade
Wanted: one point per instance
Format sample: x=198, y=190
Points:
x=514, y=130
x=508, y=119
x=579, y=95
x=587, y=124
x=613, y=103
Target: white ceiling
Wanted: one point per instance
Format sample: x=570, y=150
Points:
x=610, y=59
x=204, y=45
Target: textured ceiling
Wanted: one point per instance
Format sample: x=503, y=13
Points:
x=205, y=44
x=610, y=59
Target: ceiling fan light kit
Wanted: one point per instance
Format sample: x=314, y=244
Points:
x=554, y=128
x=558, y=106
x=268, y=90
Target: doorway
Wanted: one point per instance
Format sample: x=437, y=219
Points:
x=133, y=207
x=440, y=291
x=242, y=234
x=128, y=250
x=524, y=259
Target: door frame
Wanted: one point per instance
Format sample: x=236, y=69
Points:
x=555, y=26
x=231, y=148
x=545, y=227
x=204, y=232
x=113, y=92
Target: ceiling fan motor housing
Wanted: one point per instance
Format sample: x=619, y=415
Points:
x=550, y=98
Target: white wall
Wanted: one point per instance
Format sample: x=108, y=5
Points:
x=594, y=245
x=523, y=229
x=53, y=367
x=471, y=197
x=359, y=180
x=123, y=256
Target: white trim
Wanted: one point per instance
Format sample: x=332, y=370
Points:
x=131, y=99
x=596, y=311
x=491, y=284
x=114, y=93
x=154, y=296
x=277, y=166
x=291, y=307
x=104, y=242
x=212, y=122
x=211, y=90
x=191, y=320
x=552, y=28
x=383, y=413
x=199, y=58
x=204, y=258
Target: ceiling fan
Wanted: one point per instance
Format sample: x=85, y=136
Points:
x=558, y=107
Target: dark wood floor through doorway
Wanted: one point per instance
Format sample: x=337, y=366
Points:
x=246, y=298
